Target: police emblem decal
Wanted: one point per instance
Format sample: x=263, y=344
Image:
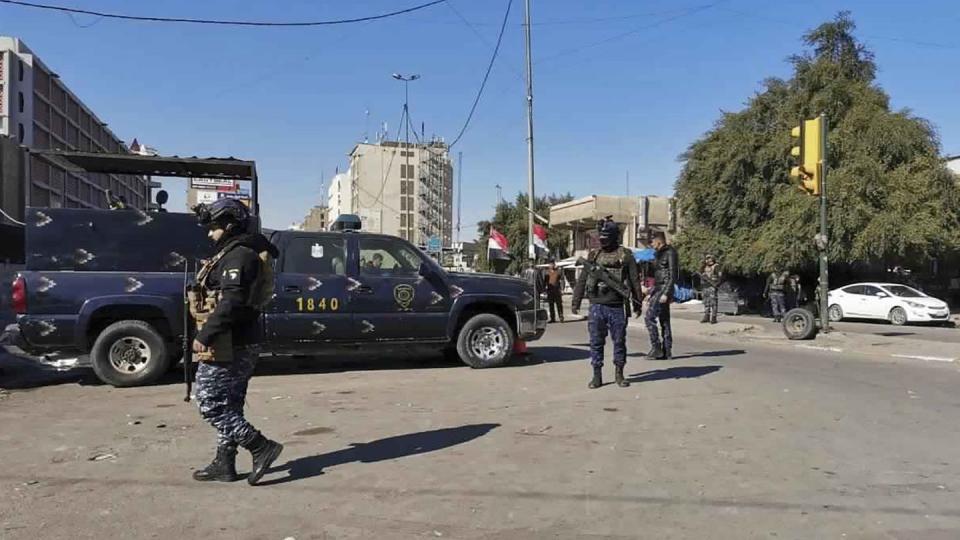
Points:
x=403, y=294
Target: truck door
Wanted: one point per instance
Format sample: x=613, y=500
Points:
x=390, y=299
x=312, y=305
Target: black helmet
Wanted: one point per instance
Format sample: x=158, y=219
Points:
x=223, y=212
x=609, y=232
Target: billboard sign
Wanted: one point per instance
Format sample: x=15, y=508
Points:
x=213, y=183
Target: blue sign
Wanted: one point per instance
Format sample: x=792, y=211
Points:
x=434, y=244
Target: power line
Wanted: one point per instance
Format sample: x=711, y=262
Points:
x=386, y=176
x=493, y=58
x=218, y=21
x=686, y=13
x=481, y=37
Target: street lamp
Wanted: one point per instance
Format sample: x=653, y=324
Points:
x=406, y=113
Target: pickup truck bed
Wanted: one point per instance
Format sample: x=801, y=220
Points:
x=109, y=284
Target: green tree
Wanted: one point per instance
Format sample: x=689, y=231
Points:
x=891, y=198
x=511, y=220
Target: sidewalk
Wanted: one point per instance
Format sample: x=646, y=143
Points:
x=873, y=346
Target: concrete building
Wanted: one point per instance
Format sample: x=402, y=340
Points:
x=39, y=112
x=396, y=189
x=638, y=217
x=340, y=195
x=318, y=219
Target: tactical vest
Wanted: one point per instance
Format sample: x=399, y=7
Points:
x=204, y=300
x=613, y=262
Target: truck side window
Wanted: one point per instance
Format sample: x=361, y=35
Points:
x=388, y=257
x=315, y=256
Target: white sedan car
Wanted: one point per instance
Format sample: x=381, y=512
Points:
x=892, y=302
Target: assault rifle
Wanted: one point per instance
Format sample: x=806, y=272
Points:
x=602, y=274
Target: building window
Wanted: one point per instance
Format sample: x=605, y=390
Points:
x=21, y=70
x=403, y=186
x=20, y=100
x=20, y=133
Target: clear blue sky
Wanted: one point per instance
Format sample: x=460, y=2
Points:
x=620, y=85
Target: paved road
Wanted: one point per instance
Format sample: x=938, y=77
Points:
x=925, y=332
x=730, y=440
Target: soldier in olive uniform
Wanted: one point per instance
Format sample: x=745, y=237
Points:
x=776, y=290
x=710, y=277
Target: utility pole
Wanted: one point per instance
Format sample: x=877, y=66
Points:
x=532, y=254
x=459, y=190
x=499, y=194
x=824, y=239
x=406, y=152
x=531, y=197
x=628, y=183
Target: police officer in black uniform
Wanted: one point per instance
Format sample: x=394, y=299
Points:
x=666, y=271
x=610, y=280
x=226, y=343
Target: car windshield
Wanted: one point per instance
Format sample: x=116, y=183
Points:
x=903, y=291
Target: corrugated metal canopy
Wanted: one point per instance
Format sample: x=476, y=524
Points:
x=135, y=164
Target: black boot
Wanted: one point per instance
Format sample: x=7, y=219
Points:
x=665, y=354
x=655, y=352
x=264, y=452
x=706, y=317
x=223, y=468
x=597, y=380
x=621, y=382
x=713, y=318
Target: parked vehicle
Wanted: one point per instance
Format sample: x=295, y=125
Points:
x=899, y=304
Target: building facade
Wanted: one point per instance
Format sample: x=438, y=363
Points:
x=398, y=189
x=40, y=112
x=638, y=218
x=318, y=219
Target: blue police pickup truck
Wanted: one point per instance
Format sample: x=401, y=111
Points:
x=107, y=287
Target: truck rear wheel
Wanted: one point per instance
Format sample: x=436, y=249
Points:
x=129, y=353
x=485, y=341
x=799, y=324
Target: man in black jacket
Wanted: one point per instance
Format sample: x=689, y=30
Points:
x=237, y=284
x=666, y=272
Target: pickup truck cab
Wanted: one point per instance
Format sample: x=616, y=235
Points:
x=107, y=287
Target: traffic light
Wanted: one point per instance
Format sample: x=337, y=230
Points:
x=809, y=154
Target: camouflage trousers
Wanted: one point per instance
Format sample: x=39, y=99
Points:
x=221, y=393
x=603, y=320
x=778, y=304
x=710, y=301
x=657, y=312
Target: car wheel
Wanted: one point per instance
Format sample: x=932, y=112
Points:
x=835, y=312
x=129, y=353
x=485, y=341
x=898, y=316
x=799, y=324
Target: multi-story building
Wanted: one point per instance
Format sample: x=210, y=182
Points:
x=38, y=111
x=399, y=189
x=340, y=195
x=318, y=219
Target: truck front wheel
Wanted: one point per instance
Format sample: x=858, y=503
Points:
x=129, y=353
x=485, y=341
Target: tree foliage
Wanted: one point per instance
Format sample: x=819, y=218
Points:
x=511, y=220
x=891, y=198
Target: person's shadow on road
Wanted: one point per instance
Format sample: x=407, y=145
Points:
x=679, y=372
x=400, y=446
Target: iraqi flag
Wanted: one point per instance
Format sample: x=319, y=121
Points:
x=540, y=238
x=497, y=246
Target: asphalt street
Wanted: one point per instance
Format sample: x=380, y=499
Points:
x=732, y=439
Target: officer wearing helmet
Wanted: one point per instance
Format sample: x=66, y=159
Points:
x=610, y=280
x=231, y=289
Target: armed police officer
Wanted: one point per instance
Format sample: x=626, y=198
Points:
x=776, y=289
x=231, y=289
x=710, y=277
x=609, y=279
x=666, y=271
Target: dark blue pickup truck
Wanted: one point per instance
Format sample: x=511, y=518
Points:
x=108, y=286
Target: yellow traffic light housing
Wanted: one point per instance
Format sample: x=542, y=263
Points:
x=809, y=153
